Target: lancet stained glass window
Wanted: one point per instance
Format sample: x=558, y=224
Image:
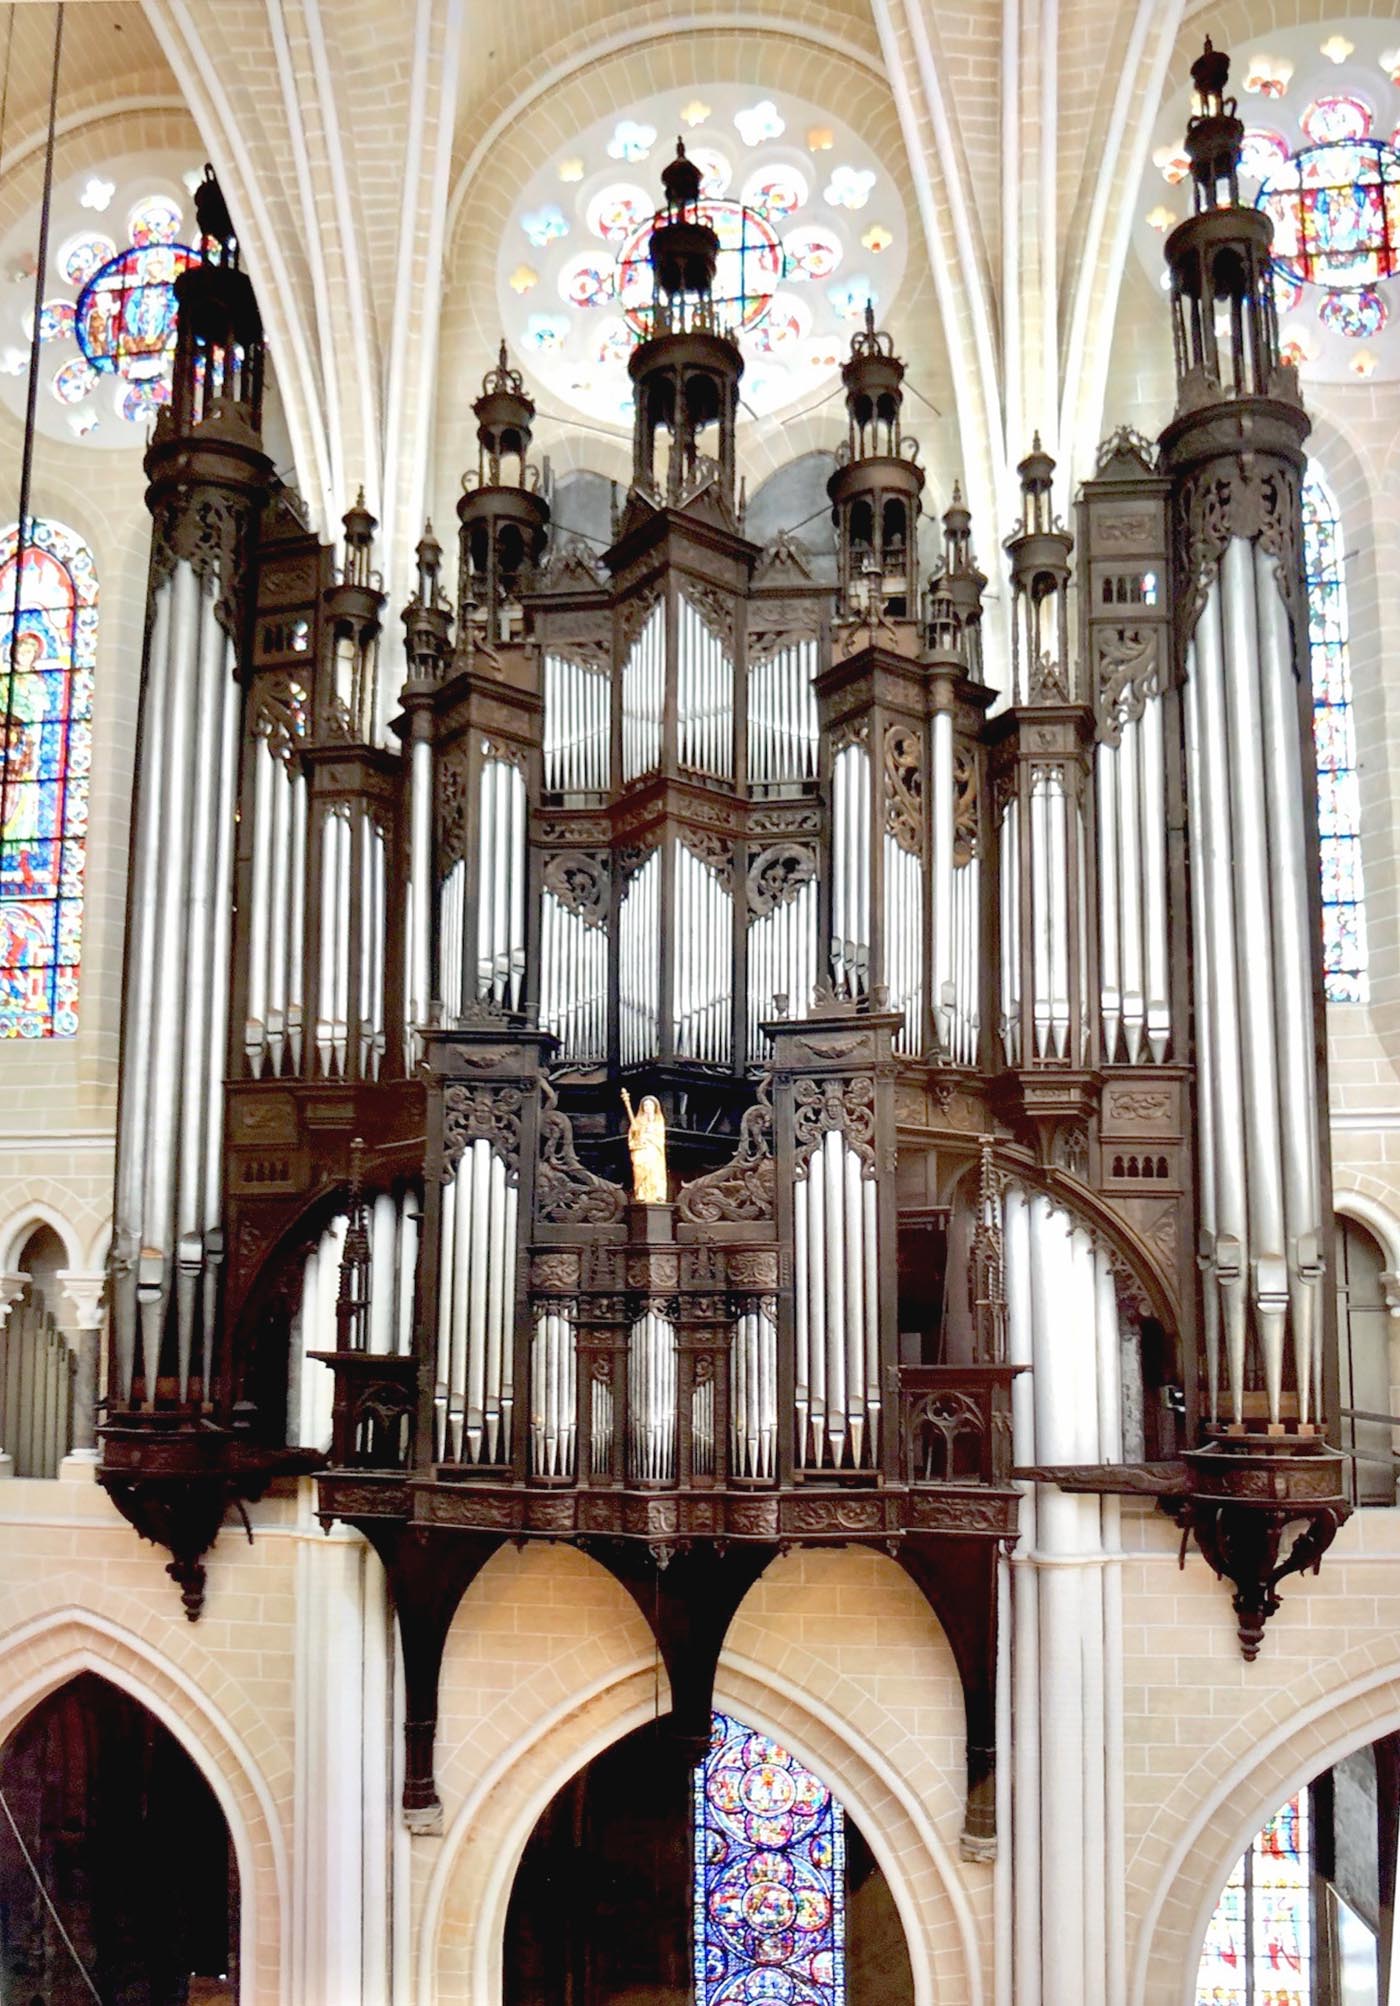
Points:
x=1334, y=730
x=1258, y=1948
x=48, y=635
x=770, y=1877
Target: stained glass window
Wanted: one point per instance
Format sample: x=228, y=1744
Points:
x=1334, y=729
x=48, y=635
x=1258, y=1948
x=770, y=1877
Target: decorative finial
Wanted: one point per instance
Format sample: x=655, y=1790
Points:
x=870, y=317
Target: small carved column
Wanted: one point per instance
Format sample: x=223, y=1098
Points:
x=85, y=1290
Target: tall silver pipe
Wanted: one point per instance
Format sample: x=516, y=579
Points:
x=1293, y=987
x=1131, y=894
x=1152, y=796
x=1217, y=996
x=261, y=916
x=420, y=876
x=944, y=980
x=1106, y=761
x=1011, y=934
x=1254, y=948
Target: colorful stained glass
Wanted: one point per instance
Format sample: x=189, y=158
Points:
x=138, y=402
x=715, y=171
x=1336, y=213
x=155, y=220
x=587, y=280
x=55, y=320
x=1261, y=151
x=1334, y=735
x=811, y=254
x=1287, y=291
x=1258, y=1947
x=48, y=635
x=776, y=192
x=73, y=381
x=126, y=312
x=1356, y=315
x=619, y=209
x=542, y=226
x=769, y=1888
x=1332, y=118
x=747, y=271
x=83, y=255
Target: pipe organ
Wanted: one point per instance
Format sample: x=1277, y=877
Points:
x=924, y=1018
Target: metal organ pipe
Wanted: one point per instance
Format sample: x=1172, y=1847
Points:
x=651, y=1394
x=904, y=939
x=1292, y=969
x=576, y=727
x=475, y=1394
x=500, y=912
x=837, y=1382
x=420, y=873
x=965, y=1016
x=1011, y=933
x=167, y=1226
x=850, y=871
x=945, y=971
x=782, y=960
x=573, y=980
x=643, y=696
x=753, y=1397
x=783, y=732
x=553, y=1396
x=704, y=696
x=1217, y=1008
x=702, y=962
x=639, y=967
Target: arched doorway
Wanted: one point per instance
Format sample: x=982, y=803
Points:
x=114, y=1824
x=647, y=1884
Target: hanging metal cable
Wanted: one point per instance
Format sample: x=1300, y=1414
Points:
x=31, y=413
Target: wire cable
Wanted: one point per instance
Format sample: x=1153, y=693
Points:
x=28, y=1858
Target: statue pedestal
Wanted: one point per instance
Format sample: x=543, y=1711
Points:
x=651, y=1225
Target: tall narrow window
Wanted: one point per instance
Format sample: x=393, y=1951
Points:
x=1334, y=729
x=1258, y=1948
x=770, y=1876
x=48, y=638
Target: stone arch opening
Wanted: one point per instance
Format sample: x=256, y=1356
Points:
x=645, y=1880
x=111, y=1816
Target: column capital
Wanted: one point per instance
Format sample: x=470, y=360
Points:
x=84, y=1289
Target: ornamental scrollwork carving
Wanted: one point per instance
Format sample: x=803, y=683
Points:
x=1225, y=502
x=633, y=858
x=206, y=528
x=453, y=808
x=564, y=1191
x=1128, y=671
x=578, y=879
x=481, y=1114
x=966, y=792
x=715, y=852
x=634, y=614
x=847, y=1106
x=279, y=714
x=743, y=1187
x=777, y=875
x=904, y=787
x=714, y=608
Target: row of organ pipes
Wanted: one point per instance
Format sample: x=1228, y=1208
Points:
x=996, y=876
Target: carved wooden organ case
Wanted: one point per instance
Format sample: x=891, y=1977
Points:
x=908, y=968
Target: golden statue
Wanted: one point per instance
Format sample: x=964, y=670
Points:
x=646, y=1144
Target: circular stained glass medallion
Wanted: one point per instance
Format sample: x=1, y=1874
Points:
x=1336, y=213
x=1359, y=315
x=126, y=312
x=1332, y=118
x=781, y=189
x=82, y=256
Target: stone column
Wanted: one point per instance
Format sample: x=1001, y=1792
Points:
x=84, y=1290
